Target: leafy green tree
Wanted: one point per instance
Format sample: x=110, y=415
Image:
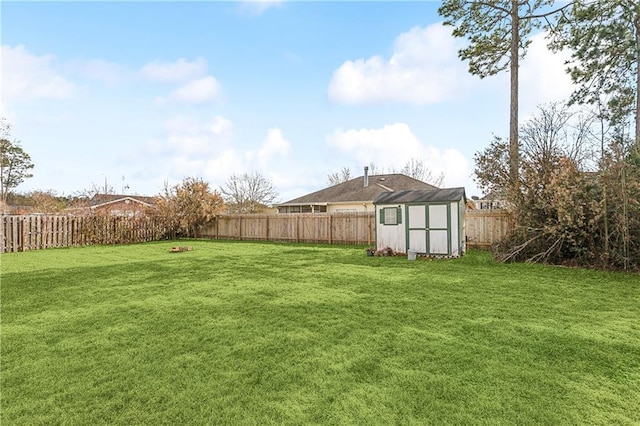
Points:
x=604, y=39
x=15, y=163
x=498, y=32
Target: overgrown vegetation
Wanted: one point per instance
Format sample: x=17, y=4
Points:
x=39, y=202
x=183, y=208
x=258, y=333
x=15, y=163
x=575, y=195
x=570, y=209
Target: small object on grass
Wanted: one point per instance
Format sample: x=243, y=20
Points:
x=387, y=251
x=181, y=249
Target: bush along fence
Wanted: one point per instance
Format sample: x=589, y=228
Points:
x=35, y=232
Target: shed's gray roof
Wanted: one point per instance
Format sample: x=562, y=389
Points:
x=354, y=189
x=421, y=196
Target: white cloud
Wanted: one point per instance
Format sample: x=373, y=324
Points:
x=273, y=148
x=220, y=126
x=393, y=145
x=221, y=166
x=258, y=7
x=423, y=69
x=190, y=147
x=26, y=76
x=188, y=137
x=198, y=91
x=178, y=71
x=273, y=145
x=542, y=75
x=101, y=70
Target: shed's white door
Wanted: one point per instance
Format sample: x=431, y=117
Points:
x=438, y=229
x=428, y=228
x=417, y=223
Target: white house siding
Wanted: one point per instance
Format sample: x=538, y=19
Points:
x=393, y=236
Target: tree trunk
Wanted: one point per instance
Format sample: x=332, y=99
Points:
x=514, y=155
x=636, y=22
x=625, y=219
x=604, y=187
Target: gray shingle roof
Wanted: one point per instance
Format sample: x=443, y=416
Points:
x=102, y=199
x=355, y=191
x=421, y=196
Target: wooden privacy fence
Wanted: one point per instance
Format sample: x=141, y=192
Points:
x=339, y=228
x=34, y=232
x=486, y=227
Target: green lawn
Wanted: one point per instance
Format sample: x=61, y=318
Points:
x=264, y=333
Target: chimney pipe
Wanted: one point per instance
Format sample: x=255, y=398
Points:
x=366, y=176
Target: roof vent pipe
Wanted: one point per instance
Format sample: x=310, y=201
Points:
x=366, y=176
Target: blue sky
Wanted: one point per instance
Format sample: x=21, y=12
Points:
x=143, y=93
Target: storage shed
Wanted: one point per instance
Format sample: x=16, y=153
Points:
x=429, y=222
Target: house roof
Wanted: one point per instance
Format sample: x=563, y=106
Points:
x=354, y=190
x=421, y=196
x=493, y=195
x=100, y=200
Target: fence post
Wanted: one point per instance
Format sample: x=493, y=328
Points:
x=14, y=231
x=23, y=232
x=2, y=234
x=266, y=228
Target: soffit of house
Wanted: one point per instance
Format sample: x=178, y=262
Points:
x=303, y=204
x=421, y=196
x=355, y=191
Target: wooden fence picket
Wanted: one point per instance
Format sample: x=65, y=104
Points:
x=35, y=232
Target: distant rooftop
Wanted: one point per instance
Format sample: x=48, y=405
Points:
x=354, y=190
x=102, y=199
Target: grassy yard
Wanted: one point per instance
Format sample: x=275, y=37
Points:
x=260, y=333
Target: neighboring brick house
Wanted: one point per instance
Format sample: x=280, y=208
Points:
x=355, y=195
x=121, y=205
